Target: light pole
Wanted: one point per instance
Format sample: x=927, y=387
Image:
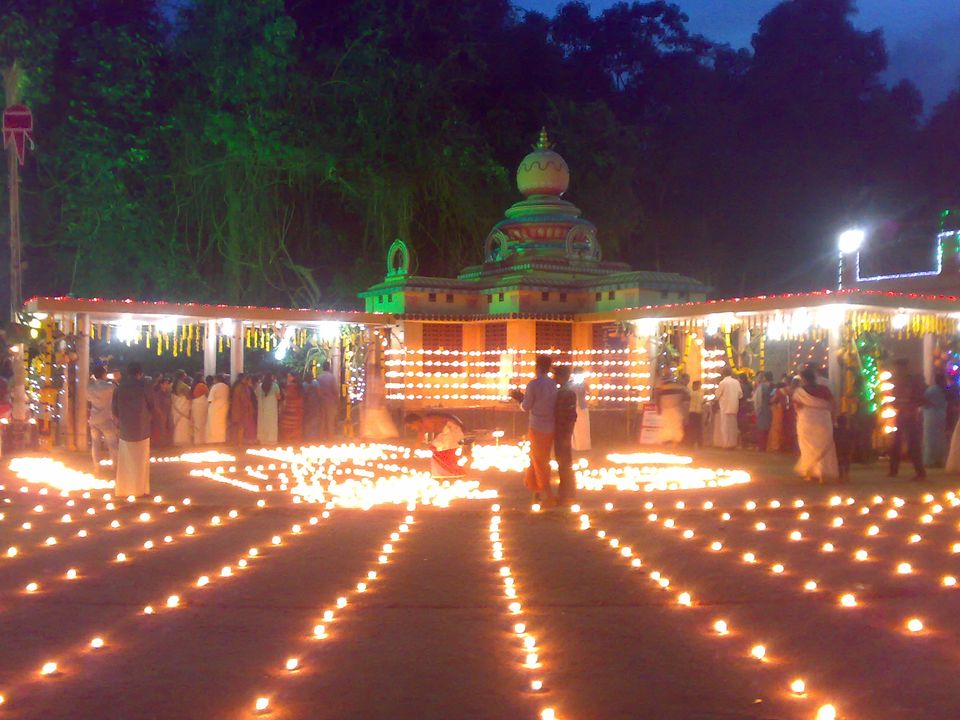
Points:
x=849, y=243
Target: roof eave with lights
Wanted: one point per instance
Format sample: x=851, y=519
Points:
x=853, y=298
x=105, y=310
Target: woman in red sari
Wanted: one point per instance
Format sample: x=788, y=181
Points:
x=291, y=414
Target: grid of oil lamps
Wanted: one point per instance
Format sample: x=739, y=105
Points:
x=54, y=508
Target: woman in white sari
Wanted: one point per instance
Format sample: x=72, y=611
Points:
x=180, y=410
x=268, y=410
x=218, y=408
x=818, y=454
x=198, y=410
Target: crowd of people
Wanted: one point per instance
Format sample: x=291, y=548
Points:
x=799, y=415
x=136, y=415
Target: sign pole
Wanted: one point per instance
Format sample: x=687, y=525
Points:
x=14, y=158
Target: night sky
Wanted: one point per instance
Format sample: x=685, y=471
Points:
x=922, y=35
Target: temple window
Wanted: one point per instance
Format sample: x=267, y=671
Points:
x=441, y=336
x=432, y=297
x=555, y=336
x=449, y=297
x=544, y=296
x=495, y=337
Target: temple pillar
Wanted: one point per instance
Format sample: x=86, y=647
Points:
x=83, y=379
x=210, y=348
x=236, y=351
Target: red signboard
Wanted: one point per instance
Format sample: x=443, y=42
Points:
x=18, y=129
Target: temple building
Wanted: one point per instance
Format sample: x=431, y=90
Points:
x=465, y=340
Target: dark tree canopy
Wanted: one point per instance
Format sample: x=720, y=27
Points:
x=270, y=151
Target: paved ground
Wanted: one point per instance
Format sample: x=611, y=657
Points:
x=433, y=634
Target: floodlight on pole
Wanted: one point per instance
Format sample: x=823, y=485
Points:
x=850, y=240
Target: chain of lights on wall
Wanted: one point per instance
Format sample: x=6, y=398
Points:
x=614, y=376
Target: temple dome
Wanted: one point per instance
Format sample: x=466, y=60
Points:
x=543, y=172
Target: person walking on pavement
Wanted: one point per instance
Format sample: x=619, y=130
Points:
x=908, y=393
x=132, y=408
x=329, y=402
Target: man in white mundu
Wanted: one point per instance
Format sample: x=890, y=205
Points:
x=729, y=393
x=132, y=404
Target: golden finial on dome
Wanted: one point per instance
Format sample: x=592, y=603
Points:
x=543, y=143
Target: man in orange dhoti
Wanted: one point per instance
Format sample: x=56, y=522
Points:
x=540, y=402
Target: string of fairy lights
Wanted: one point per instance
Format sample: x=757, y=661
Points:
x=758, y=651
x=322, y=628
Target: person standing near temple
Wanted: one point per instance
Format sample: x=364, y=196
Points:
x=694, y=435
x=581, y=430
x=132, y=408
x=815, y=436
x=728, y=396
x=935, y=423
x=311, y=411
x=291, y=412
x=161, y=425
x=268, y=410
x=103, y=426
x=761, y=406
x=198, y=409
x=218, y=411
x=671, y=399
x=779, y=399
x=908, y=392
x=180, y=410
x=565, y=419
x=329, y=396
x=539, y=402
x=243, y=412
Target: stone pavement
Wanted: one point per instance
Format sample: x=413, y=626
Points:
x=619, y=600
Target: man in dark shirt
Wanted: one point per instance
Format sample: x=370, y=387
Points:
x=132, y=406
x=908, y=393
x=565, y=417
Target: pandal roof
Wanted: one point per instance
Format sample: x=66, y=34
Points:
x=105, y=310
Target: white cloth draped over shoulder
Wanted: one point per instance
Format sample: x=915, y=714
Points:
x=217, y=411
x=818, y=454
x=268, y=414
x=198, y=415
x=180, y=414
